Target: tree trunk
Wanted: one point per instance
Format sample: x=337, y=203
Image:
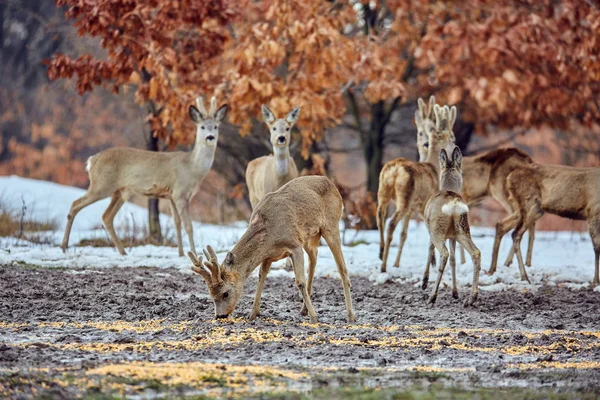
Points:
x=374, y=146
x=154, y=231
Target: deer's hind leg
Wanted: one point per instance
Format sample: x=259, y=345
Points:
x=312, y=248
x=381, y=217
x=594, y=228
x=399, y=214
x=463, y=236
x=403, y=235
x=298, y=262
x=108, y=218
x=430, y=261
x=438, y=242
x=90, y=197
x=453, y=267
x=332, y=237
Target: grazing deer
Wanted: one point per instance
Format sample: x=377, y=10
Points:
x=122, y=171
x=483, y=175
x=284, y=222
x=268, y=173
x=411, y=183
x=568, y=192
x=446, y=217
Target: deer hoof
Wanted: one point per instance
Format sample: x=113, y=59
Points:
x=304, y=311
x=351, y=317
x=432, y=299
x=252, y=316
x=455, y=294
x=425, y=283
x=314, y=320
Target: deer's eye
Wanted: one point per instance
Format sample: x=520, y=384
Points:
x=225, y=295
x=202, y=127
x=287, y=129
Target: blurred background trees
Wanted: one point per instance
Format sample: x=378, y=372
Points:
x=522, y=73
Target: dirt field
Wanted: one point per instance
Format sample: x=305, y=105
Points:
x=145, y=332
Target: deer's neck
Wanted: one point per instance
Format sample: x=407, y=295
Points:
x=202, y=157
x=282, y=160
x=452, y=182
x=249, y=251
x=433, y=157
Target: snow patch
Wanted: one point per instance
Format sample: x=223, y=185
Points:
x=559, y=258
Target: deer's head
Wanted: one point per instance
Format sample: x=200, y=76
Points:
x=441, y=134
x=424, y=120
x=451, y=170
x=224, y=285
x=280, y=128
x=207, y=123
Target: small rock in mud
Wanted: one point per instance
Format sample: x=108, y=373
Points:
x=353, y=370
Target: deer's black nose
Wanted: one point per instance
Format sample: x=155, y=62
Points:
x=210, y=138
x=281, y=139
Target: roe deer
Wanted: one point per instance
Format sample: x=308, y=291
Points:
x=446, y=217
x=122, y=171
x=283, y=223
x=485, y=175
x=411, y=183
x=268, y=173
x=568, y=192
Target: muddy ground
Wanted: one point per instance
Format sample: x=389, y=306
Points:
x=146, y=331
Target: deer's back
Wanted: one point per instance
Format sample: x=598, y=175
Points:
x=145, y=172
x=305, y=205
x=565, y=191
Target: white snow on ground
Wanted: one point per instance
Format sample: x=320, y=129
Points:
x=559, y=258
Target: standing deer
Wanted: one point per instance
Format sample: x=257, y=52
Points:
x=268, y=173
x=411, y=183
x=568, y=192
x=446, y=217
x=283, y=223
x=122, y=171
x=483, y=175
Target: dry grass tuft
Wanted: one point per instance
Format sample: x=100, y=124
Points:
x=16, y=223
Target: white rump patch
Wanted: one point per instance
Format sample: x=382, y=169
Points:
x=88, y=163
x=455, y=207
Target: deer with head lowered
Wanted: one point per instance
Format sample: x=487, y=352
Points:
x=446, y=217
x=268, y=173
x=283, y=223
x=176, y=176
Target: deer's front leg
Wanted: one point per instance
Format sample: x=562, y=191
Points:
x=298, y=261
x=262, y=275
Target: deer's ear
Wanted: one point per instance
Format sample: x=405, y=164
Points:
x=293, y=116
x=221, y=113
x=418, y=119
x=195, y=114
x=456, y=155
x=431, y=105
x=267, y=115
x=421, y=108
x=443, y=158
x=452, y=118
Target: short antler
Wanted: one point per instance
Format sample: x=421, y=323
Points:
x=198, y=267
x=200, y=104
x=212, y=264
x=210, y=269
x=213, y=107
